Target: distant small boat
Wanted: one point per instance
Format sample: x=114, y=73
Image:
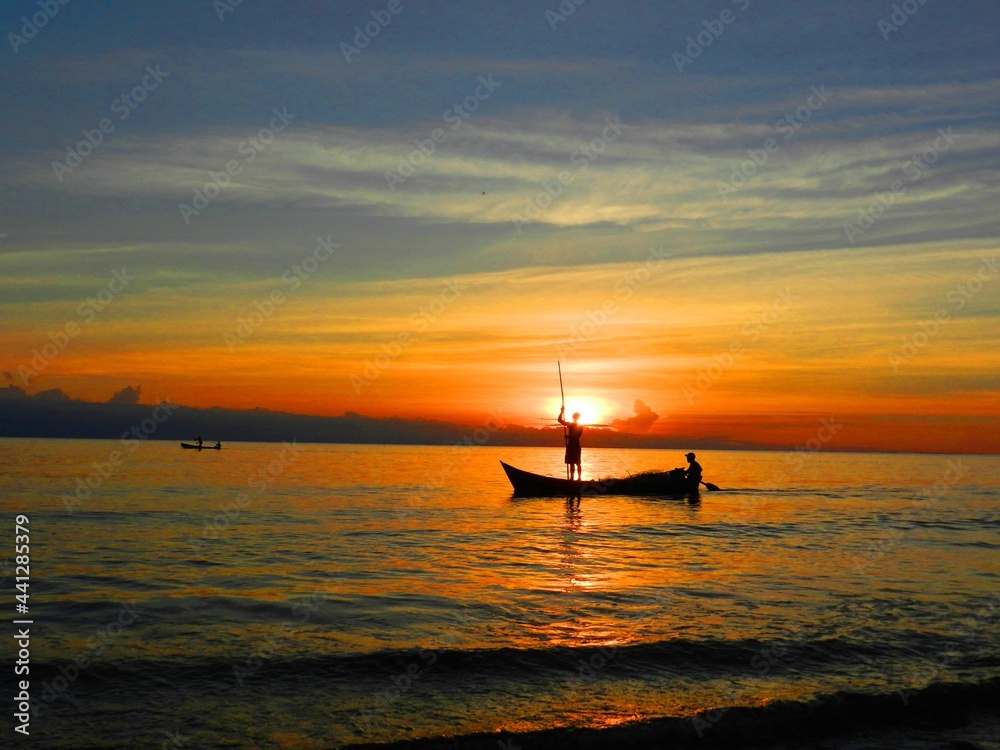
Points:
x=654, y=483
x=196, y=447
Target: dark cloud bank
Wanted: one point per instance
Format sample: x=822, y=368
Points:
x=53, y=414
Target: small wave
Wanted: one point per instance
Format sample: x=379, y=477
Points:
x=189, y=610
x=842, y=714
x=557, y=664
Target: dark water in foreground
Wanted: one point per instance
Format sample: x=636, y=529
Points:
x=271, y=597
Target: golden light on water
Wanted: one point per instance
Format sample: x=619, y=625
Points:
x=587, y=595
x=466, y=229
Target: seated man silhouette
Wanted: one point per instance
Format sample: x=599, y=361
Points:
x=693, y=472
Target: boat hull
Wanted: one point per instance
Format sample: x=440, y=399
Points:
x=193, y=447
x=659, y=484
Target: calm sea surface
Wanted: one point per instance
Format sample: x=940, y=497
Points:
x=306, y=596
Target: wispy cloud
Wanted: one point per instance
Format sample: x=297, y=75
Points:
x=655, y=176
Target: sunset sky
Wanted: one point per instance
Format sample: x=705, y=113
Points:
x=747, y=216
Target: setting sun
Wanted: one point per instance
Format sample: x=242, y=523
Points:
x=293, y=296
x=593, y=411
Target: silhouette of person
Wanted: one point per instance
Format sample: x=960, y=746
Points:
x=199, y=441
x=693, y=473
x=218, y=443
x=574, y=431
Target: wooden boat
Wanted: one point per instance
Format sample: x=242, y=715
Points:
x=657, y=484
x=196, y=447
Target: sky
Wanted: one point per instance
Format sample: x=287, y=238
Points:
x=730, y=219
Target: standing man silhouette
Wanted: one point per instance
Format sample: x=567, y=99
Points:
x=574, y=431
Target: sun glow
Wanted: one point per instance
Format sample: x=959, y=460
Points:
x=593, y=411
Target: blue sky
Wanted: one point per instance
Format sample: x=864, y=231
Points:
x=887, y=99
x=916, y=103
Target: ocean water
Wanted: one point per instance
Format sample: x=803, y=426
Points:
x=314, y=596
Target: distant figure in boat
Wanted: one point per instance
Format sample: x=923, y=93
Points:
x=574, y=431
x=693, y=472
x=199, y=441
x=218, y=445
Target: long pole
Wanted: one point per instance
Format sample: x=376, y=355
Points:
x=562, y=395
